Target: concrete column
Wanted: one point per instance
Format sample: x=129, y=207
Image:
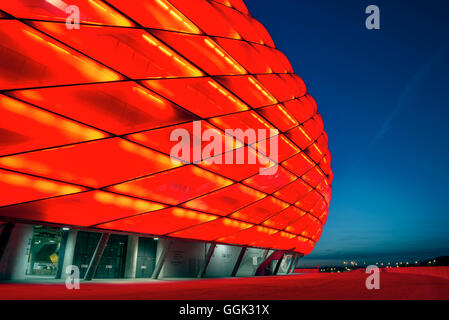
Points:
x=14, y=261
x=69, y=252
x=292, y=259
x=261, y=270
x=278, y=265
x=265, y=254
x=5, y=233
x=164, y=247
x=131, y=257
x=65, y=235
x=293, y=267
x=238, y=262
x=250, y=262
x=209, y=254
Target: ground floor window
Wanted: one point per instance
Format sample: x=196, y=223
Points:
x=44, y=251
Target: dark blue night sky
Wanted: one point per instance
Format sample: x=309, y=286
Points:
x=384, y=98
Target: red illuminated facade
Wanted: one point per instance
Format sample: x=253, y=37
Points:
x=86, y=116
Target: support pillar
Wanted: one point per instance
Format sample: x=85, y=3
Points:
x=93, y=265
x=238, y=262
x=61, y=255
x=162, y=257
x=278, y=265
x=67, y=254
x=14, y=260
x=293, y=267
x=261, y=270
x=209, y=254
x=265, y=254
x=5, y=234
x=257, y=272
x=293, y=258
x=131, y=257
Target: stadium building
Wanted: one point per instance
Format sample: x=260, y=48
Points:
x=91, y=93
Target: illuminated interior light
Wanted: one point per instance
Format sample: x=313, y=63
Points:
x=50, y=119
x=290, y=143
x=151, y=41
x=287, y=235
x=223, y=92
x=18, y=164
x=266, y=230
x=320, y=172
x=49, y=43
x=210, y=44
x=255, y=84
x=305, y=134
x=147, y=153
x=39, y=184
x=81, y=68
x=222, y=54
x=262, y=90
x=236, y=224
x=226, y=3
x=189, y=26
x=98, y=5
x=61, y=5
x=317, y=149
x=148, y=94
x=226, y=94
x=126, y=202
x=124, y=188
x=232, y=99
x=229, y=60
x=213, y=84
x=179, y=61
x=107, y=10
x=165, y=51
x=169, y=53
x=262, y=121
x=177, y=16
x=287, y=114
x=45, y=186
x=163, y=4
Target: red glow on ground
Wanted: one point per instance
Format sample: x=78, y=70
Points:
x=340, y=286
